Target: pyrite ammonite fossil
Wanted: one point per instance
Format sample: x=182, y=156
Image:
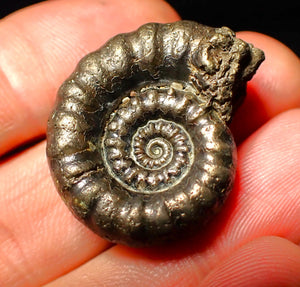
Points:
x=138, y=142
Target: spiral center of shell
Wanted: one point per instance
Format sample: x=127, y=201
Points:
x=142, y=150
x=150, y=147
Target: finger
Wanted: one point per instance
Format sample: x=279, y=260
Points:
x=39, y=237
x=265, y=201
x=275, y=87
x=267, y=261
x=40, y=47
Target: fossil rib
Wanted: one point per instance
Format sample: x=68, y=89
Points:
x=138, y=142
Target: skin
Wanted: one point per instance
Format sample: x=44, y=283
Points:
x=254, y=241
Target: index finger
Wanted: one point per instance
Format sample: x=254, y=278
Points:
x=40, y=47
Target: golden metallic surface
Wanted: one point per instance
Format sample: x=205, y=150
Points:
x=138, y=142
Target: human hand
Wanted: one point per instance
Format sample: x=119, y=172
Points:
x=254, y=241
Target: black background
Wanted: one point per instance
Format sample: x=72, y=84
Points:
x=277, y=18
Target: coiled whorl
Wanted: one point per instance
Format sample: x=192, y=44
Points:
x=138, y=142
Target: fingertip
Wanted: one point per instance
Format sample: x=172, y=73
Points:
x=41, y=45
x=266, y=261
x=275, y=87
x=278, y=75
x=267, y=183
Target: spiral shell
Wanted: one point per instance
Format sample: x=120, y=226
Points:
x=138, y=142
